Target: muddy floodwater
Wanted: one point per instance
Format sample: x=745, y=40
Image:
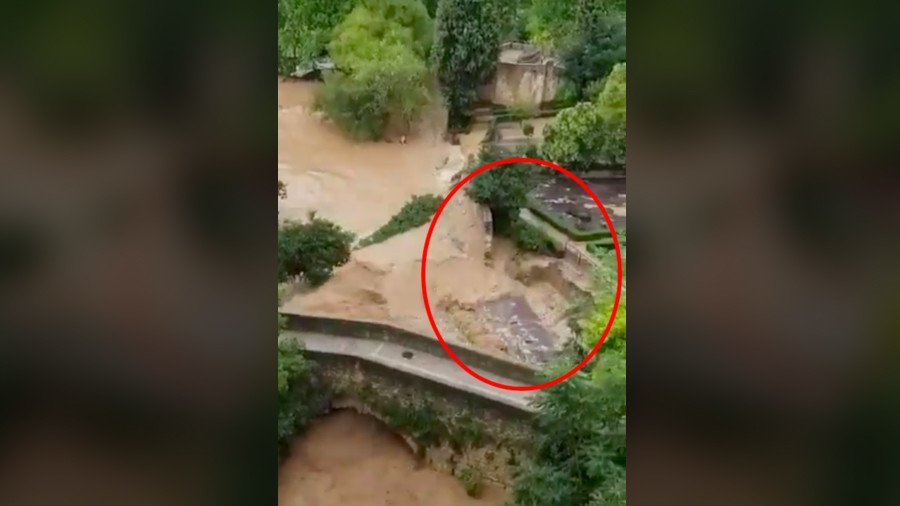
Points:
x=480, y=293
x=346, y=458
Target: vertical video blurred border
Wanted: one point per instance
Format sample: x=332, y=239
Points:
x=137, y=269
x=765, y=213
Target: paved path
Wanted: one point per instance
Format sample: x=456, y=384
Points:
x=437, y=369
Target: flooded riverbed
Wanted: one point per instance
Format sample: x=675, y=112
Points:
x=360, y=185
x=346, y=458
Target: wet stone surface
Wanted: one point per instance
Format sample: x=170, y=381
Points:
x=572, y=205
x=520, y=328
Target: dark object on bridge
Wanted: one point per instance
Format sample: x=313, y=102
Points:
x=407, y=354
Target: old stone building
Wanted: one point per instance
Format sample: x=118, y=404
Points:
x=525, y=77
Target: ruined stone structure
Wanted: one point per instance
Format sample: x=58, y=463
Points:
x=524, y=76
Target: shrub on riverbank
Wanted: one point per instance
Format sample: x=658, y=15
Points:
x=311, y=250
x=505, y=191
x=301, y=393
x=415, y=213
x=530, y=238
x=580, y=447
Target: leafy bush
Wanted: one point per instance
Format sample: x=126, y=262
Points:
x=580, y=455
x=522, y=110
x=381, y=77
x=301, y=393
x=530, y=238
x=504, y=189
x=594, y=324
x=574, y=139
x=528, y=129
x=467, y=44
x=591, y=132
x=312, y=250
x=471, y=481
x=304, y=28
x=417, y=212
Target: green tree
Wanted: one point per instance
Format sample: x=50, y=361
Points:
x=381, y=78
x=304, y=29
x=598, y=46
x=580, y=447
x=467, y=44
x=505, y=188
x=551, y=22
x=379, y=24
x=591, y=132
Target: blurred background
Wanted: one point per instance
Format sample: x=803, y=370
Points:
x=137, y=269
x=137, y=274
x=765, y=211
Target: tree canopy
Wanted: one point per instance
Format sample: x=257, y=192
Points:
x=467, y=44
x=381, y=74
x=591, y=132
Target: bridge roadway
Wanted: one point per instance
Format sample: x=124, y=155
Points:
x=439, y=369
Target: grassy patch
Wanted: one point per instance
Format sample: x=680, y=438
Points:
x=415, y=213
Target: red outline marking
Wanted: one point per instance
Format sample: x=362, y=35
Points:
x=612, y=315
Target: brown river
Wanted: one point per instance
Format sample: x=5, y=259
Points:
x=348, y=459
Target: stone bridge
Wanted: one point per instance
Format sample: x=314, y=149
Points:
x=452, y=420
x=416, y=357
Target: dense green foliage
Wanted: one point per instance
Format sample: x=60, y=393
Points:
x=471, y=481
x=301, y=394
x=574, y=139
x=467, y=44
x=530, y=238
x=417, y=212
x=312, y=250
x=550, y=22
x=557, y=23
x=580, y=456
x=593, y=53
x=591, y=132
x=381, y=78
x=377, y=25
x=504, y=189
x=304, y=29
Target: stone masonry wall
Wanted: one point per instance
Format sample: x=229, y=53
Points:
x=449, y=431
